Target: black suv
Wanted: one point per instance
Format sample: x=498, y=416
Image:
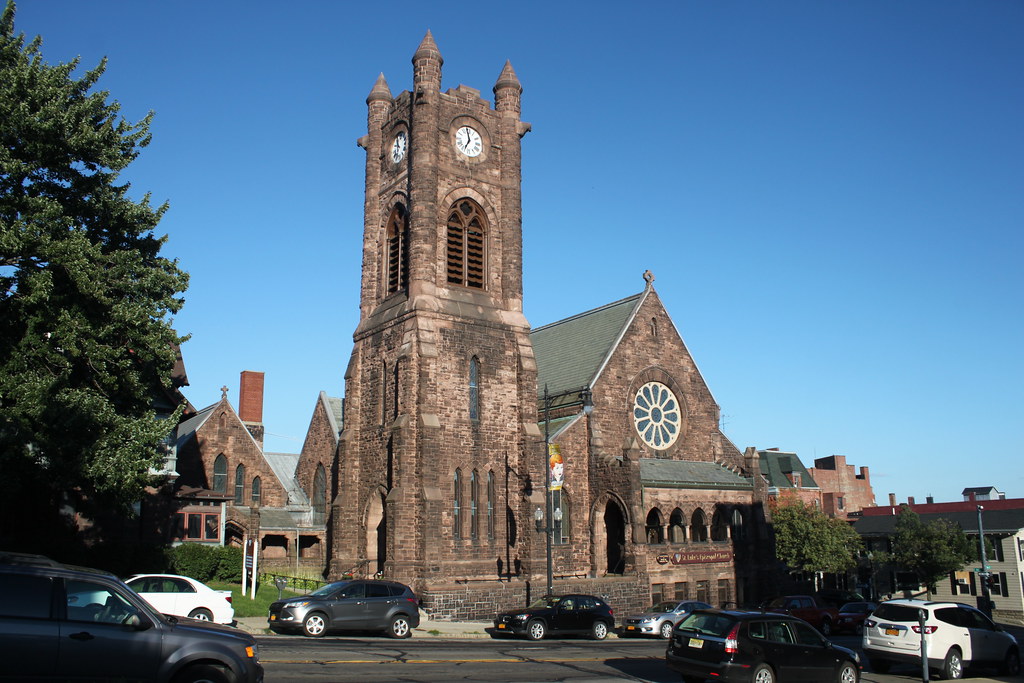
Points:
x=62, y=622
x=567, y=614
x=756, y=647
x=351, y=605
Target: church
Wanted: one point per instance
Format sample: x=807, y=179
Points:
x=485, y=462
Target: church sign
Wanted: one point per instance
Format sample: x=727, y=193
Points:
x=698, y=556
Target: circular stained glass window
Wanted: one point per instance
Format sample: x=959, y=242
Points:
x=657, y=415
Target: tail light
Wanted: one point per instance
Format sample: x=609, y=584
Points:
x=870, y=623
x=228, y=598
x=927, y=629
x=731, y=641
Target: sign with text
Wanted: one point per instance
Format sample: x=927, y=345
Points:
x=699, y=556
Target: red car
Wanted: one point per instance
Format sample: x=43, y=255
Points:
x=852, y=616
x=807, y=607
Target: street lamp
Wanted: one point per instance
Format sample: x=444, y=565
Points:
x=986, y=601
x=549, y=517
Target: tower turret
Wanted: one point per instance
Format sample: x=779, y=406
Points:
x=427, y=65
x=507, y=91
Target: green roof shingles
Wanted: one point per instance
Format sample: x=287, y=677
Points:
x=657, y=473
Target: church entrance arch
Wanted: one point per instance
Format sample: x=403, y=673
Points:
x=609, y=536
x=376, y=533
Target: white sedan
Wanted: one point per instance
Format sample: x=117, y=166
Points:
x=184, y=597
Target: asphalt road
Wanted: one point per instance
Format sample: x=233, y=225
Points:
x=371, y=659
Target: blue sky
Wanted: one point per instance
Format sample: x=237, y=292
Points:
x=830, y=195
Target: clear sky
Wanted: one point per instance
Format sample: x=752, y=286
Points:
x=830, y=195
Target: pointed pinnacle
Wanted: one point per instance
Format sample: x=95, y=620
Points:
x=380, y=91
x=428, y=49
x=507, y=78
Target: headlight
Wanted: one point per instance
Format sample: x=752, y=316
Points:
x=521, y=617
x=291, y=605
x=647, y=620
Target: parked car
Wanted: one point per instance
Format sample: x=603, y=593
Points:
x=184, y=597
x=852, y=615
x=659, y=620
x=838, y=597
x=956, y=636
x=558, y=615
x=815, y=612
x=59, y=622
x=350, y=605
x=756, y=647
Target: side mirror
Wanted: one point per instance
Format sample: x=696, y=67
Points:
x=137, y=623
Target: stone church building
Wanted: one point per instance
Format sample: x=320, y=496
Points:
x=457, y=414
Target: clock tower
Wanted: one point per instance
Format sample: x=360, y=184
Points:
x=440, y=408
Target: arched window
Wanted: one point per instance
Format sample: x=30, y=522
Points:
x=320, y=492
x=739, y=531
x=676, y=527
x=719, y=526
x=457, y=505
x=474, y=389
x=490, y=505
x=560, y=509
x=698, y=526
x=655, y=530
x=474, y=503
x=257, y=486
x=220, y=474
x=240, y=485
x=398, y=249
x=465, y=244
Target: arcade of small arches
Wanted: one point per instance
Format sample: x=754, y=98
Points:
x=726, y=523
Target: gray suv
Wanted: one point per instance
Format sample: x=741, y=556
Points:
x=61, y=622
x=352, y=605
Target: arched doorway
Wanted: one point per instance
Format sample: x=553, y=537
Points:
x=376, y=534
x=615, y=534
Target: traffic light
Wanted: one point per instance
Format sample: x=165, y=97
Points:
x=992, y=581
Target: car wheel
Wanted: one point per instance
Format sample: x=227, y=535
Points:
x=536, y=629
x=599, y=630
x=826, y=627
x=1011, y=663
x=315, y=625
x=953, y=665
x=847, y=673
x=763, y=674
x=666, y=630
x=201, y=613
x=204, y=673
x=400, y=627
x=879, y=666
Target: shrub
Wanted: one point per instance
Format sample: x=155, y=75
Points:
x=195, y=560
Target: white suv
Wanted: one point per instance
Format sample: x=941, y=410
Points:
x=956, y=636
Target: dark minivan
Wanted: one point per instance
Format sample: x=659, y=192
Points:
x=350, y=605
x=756, y=647
x=59, y=622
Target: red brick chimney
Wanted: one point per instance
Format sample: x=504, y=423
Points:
x=250, y=403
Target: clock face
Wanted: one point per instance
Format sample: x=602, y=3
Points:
x=468, y=141
x=399, y=146
x=657, y=415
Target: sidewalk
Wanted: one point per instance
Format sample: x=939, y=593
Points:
x=427, y=628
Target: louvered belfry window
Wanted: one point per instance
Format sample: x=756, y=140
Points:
x=466, y=231
x=398, y=249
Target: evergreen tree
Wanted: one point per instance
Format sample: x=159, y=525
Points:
x=806, y=539
x=85, y=298
x=929, y=550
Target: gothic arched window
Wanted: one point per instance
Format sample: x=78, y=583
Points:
x=465, y=244
x=490, y=505
x=320, y=490
x=719, y=526
x=474, y=388
x=220, y=474
x=474, y=502
x=655, y=531
x=457, y=505
x=698, y=526
x=257, y=486
x=398, y=249
x=240, y=485
x=676, y=527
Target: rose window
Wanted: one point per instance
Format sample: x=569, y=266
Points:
x=657, y=415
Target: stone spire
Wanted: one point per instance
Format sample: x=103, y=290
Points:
x=380, y=92
x=426, y=63
x=507, y=90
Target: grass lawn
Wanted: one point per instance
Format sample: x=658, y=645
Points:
x=266, y=593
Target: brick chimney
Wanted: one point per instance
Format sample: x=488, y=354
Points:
x=250, y=403
x=892, y=500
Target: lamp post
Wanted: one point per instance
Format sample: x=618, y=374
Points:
x=546, y=519
x=986, y=601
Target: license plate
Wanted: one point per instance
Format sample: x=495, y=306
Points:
x=696, y=643
x=631, y=628
x=892, y=632
x=501, y=625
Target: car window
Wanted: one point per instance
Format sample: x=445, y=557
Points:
x=778, y=633
x=758, y=630
x=587, y=603
x=25, y=596
x=567, y=603
x=353, y=590
x=974, y=619
x=892, y=612
x=665, y=607
x=950, y=615
x=329, y=589
x=180, y=586
x=712, y=624
x=94, y=602
x=377, y=590
x=805, y=635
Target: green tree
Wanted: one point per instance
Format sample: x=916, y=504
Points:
x=929, y=550
x=85, y=298
x=806, y=539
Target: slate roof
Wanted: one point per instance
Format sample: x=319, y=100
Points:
x=571, y=352
x=994, y=521
x=776, y=464
x=686, y=474
x=283, y=465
